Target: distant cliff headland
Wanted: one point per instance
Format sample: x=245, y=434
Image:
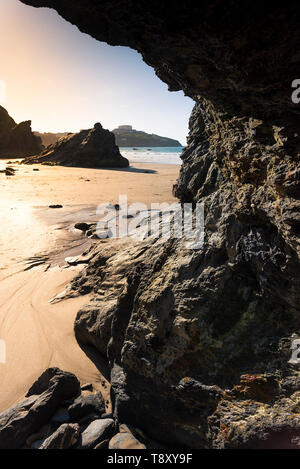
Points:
x=125, y=135
x=49, y=138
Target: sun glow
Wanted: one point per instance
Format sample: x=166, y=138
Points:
x=64, y=80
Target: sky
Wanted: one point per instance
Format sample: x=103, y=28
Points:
x=64, y=80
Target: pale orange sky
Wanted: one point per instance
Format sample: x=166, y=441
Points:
x=64, y=80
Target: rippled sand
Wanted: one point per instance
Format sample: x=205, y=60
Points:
x=34, y=241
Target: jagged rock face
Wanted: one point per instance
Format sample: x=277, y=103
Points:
x=90, y=148
x=180, y=327
x=17, y=140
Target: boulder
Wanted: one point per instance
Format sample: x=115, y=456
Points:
x=41, y=402
x=125, y=441
x=8, y=171
x=64, y=437
x=86, y=404
x=92, y=148
x=82, y=226
x=17, y=140
x=97, y=431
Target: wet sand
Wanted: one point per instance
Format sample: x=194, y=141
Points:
x=34, y=242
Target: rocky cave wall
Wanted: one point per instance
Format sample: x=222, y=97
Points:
x=199, y=342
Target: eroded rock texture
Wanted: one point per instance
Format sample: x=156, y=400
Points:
x=17, y=140
x=181, y=327
x=92, y=148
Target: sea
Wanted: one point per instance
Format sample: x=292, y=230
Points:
x=160, y=155
x=157, y=155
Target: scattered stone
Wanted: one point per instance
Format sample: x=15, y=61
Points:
x=77, y=260
x=102, y=234
x=64, y=437
x=56, y=206
x=86, y=404
x=82, y=226
x=41, y=402
x=96, y=432
x=125, y=441
x=8, y=171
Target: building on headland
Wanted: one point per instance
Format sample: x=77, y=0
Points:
x=124, y=128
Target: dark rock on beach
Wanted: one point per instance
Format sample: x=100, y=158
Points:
x=97, y=431
x=8, y=171
x=17, y=140
x=92, y=148
x=87, y=404
x=125, y=441
x=64, y=437
x=82, y=226
x=41, y=402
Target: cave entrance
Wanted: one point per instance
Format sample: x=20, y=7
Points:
x=70, y=81
x=65, y=81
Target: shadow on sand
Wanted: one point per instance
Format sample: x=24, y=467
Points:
x=129, y=169
x=100, y=362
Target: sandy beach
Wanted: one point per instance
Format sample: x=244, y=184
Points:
x=34, y=242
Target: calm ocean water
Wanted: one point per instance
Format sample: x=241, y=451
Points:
x=162, y=155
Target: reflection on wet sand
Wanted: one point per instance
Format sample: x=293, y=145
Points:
x=34, y=242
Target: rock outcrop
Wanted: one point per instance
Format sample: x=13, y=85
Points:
x=92, y=148
x=17, y=140
x=199, y=342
